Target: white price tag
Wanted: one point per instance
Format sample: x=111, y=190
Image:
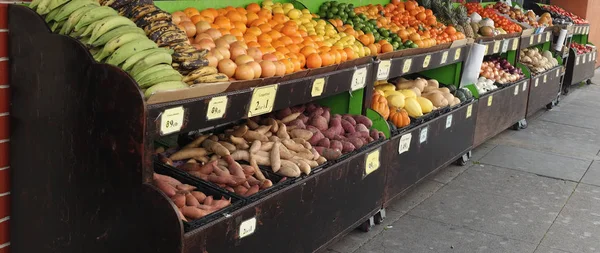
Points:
x=589, y=57
x=545, y=78
x=505, y=45
x=557, y=72
x=444, y=57
x=383, y=71
x=485, y=52
x=247, y=227
x=171, y=120
x=531, y=39
x=404, y=143
x=539, y=38
x=317, y=87
x=426, y=61
x=469, y=111
x=583, y=59
x=497, y=46
x=576, y=60
x=516, y=90
x=372, y=162
x=406, y=66
x=359, y=79
x=423, y=134
x=449, y=121
x=548, y=36
x=457, y=54
x=216, y=107
x=535, y=84
x=515, y=44
x=490, y=99
x=524, y=86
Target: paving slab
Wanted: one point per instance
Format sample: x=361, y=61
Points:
x=415, y=196
x=592, y=176
x=515, y=184
x=514, y=218
x=540, y=163
x=416, y=235
x=584, y=108
x=445, y=175
x=577, y=228
x=542, y=249
x=572, y=119
x=482, y=150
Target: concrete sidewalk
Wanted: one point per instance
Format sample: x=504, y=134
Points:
x=533, y=190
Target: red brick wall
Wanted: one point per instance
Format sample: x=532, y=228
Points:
x=4, y=133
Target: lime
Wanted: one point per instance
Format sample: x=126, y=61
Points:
x=324, y=8
x=322, y=14
x=329, y=15
x=351, y=14
x=395, y=44
x=413, y=45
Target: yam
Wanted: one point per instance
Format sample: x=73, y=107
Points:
x=163, y=159
x=285, y=153
x=348, y=127
x=208, y=200
x=362, y=128
x=167, y=179
x=357, y=142
x=213, y=138
x=297, y=123
x=374, y=134
x=267, y=146
x=196, y=142
x=241, y=155
x=198, y=175
x=202, y=159
x=263, y=129
x=274, y=139
x=228, y=146
x=316, y=154
x=321, y=160
x=269, y=134
x=319, y=122
x=189, y=153
x=220, y=203
x=252, y=180
x=237, y=140
x=347, y=147
x=360, y=119
x=240, y=131
x=298, y=108
x=251, y=124
x=215, y=147
x=312, y=129
x=303, y=118
x=291, y=145
x=317, y=112
x=234, y=167
x=310, y=108
x=328, y=153
x=336, y=145
x=266, y=184
x=289, y=169
x=271, y=122
x=349, y=119
x=433, y=83
x=326, y=114
x=303, y=166
x=255, y=146
x=316, y=138
x=241, y=190
x=324, y=143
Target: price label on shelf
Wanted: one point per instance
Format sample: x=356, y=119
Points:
x=539, y=38
x=359, y=79
x=247, y=227
x=449, y=121
x=594, y=54
x=589, y=57
x=444, y=57
x=372, y=162
x=263, y=99
x=404, y=143
x=576, y=60
x=496, y=46
x=317, y=87
x=545, y=78
x=171, y=120
x=557, y=72
x=383, y=71
x=457, y=54
x=406, y=65
x=490, y=98
x=583, y=59
x=524, y=85
x=516, y=92
x=426, y=61
x=515, y=44
x=469, y=111
x=531, y=39
x=505, y=45
x=423, y=134
x=548, y=36
x=216, y=107
x=485, y=52
x=535, y=83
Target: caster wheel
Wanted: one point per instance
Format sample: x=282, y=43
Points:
x=379, y=217
x=588, y=82
x=551, y=105
x=521, y=124
x=462, y=161
x=367, y=225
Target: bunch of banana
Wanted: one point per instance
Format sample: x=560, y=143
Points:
x=115, y=40
x=159, y=28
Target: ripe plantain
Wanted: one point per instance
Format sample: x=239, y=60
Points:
x=129, y=49
x=171, y=37
x=114, y=33
x=165, y=86
x=140, y=11
x=95, y=15
x=151, y=60
x=194, y=64
x=155, y=25
x=117, y=42
x=219, y=77
x=108, y=24
x=148, y=18
x=200, y=72
x=157, y=33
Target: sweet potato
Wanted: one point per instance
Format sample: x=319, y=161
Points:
x=215, y=147
x=239, y=131
x=159, y=150
x=241, y=155
x=267, y=146
x=200, y=196
x=301, y=133
x=283, y=113
x=255, y=146
x=199, y=175
x=229, y=189
x=274, y=139
x=196, y=142
x=253, y=135
x=178, y=199
x=266, y=184
x=193, y=212
x=263, y=129
x=289, y=169
x=185, y=187
x=336, y=123
x=269, y=134
x=228, y=146
x=361, y=128
x=374, y=134
x=180, y=214
x=290, y=118
x=304, y=155
x=328, y=153
x=190, y=200
x=166, y=179
x=312, y=163
x=261, y=160
x=316, y=154
x=271, y=122
x=298, y=108
x=347, y=147
x=220, y=171
x=360, y=119
x=303, y=166
x=316, y=138
x=262, y=153
x=335, y=144
x=275, y=158
x=251, y=124
x=237, y=140
x=349, y=119
x=208, y=200
x=284, y=153
x=220, y=203
x=221, y=137
x=166, y=188
x=214, y=157
x=241, y=190
x=163, y=159
x=317, y=112
x=234, y=167
x=357, y=142
x=296, y=124
x=326, y=114
x=213, y=138
x=259, y=175
x=282, y=132
x=319, y=122
x=310, y=108
x=292, y=145
x=254, y=189
x=335, y=129
x=189, y=153
x=348, y=127
x=303, y=118
x=321, y=160
x=252, y=180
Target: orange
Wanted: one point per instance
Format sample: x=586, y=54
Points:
x=191, y=11
x=301, y=58
x=224, y=31
x=240, y=26
x=280, y=18
x=236, y=32
x=253, y=7
x=290, y=31
x=251, y=16
x=326, y=59
x=272, y=23
x=234, y=16
x=289, y=66
x=279, y=55
x=387, y=48
x=421, y=16
x=297, y=39
x=265, y=14
x=277, y=43
x=282, y=50
x=267, y=50
x=196, y=18
x=294, y=48
x=241, y=10
x=265, y=28
x=258, y=21
x=373, y=49
x=364, y=39
x=313, y=61
x=324, y=49
x=308, y=50
x=297, y=65
x=414, y=37
x=254, y=30
x=252, y=44
x=344, y=55
x=264, y=37
x=206, y=13
x=350, y=53
x=337, y=56
x=286, y=40
x=274, y=34
x=223, y=22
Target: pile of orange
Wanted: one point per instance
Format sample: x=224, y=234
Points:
x=270, y=40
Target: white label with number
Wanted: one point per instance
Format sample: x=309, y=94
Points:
x=406, y=66
x=583, y=59
x=457, y=54
x=535, y=84
x=426, y=61
x=516, y=90
x=515, y=45
x=372, y=162
x=247, y=227
x=547, y=36
x=171, y=120
x=216, y=107
x=545, y=78
x=589, y=57
x=539, y=38
x=469, y=111
x=444, y=57
x=505, y=45
x=423, y=135
x=449, y=121
x=531, y=39
x=404, y=143
x=383, y=71
x=490, y=99
x=359, y=79
x=524, y=86
x=576, y=60
x=557, y=72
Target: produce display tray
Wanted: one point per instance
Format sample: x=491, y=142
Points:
x=579, y=67
x=499, y=109
x=543, y=89
x=445, y=139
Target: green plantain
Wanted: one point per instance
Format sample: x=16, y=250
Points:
x=108, y=24
x=165, y=86
x=114, y=33
x=150, y=61
x=129, y=49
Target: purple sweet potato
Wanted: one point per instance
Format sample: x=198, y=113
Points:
x=319, y=122
x=312, y=129
x=329, y=153
x=335, y=144
x=357, y=142
x=347, y=147
x=310, y=108
x=349, y=118
x=284, y=113
x=336, y=123
x=360, y=119
x=319, y=111
x=297, y=123
x=317, y=136
x=374, y=134
x=357, y=135
x=304, y=118
x=298, y=108
x=324, y=143
x=326, y=114
x=362, y=128
x=348, y=127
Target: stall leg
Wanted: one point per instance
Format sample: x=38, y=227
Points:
x=462, y=161
x=367, y=225
x=379, y=217
x=521, y=124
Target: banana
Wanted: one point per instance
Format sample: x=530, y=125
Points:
x=117, y=42
x=160, y=67
x=214, y=78
x=88, y=30
x=158, y=15
x=108, y=24
x=74, y=18
x=114, y=33
x=155, y=25
x=128, y=64
x=129, y=49
x=200, y=72
x=119, y=3
x=42, y=7
x=149, y=61
x=54, y=4
x=159, y=77
x=95, y=15
x=33, y=5
x=51, y=15
x=106, y=2
x=165, y=86
x=72, y=6
x=57, y=25
x=140, y=11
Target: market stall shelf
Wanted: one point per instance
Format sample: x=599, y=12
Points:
x=544, y=89
x=580, y=67
x=536, y=39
